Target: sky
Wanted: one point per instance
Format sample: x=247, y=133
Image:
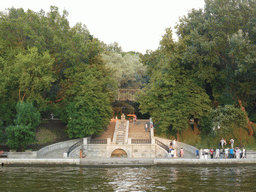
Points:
x=137, y=25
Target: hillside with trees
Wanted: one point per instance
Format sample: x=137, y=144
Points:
x=197, y=89
x=57, y=68
x=211, y=67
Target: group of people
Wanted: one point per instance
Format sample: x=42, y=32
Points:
x=222, y=152
x=172, y=150
x=228, y=153
x=224, y=142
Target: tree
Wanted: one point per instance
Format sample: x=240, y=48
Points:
x=220, y=50
x=128, y=71
x=1, y=131
x=90, y=110
x=46, y=46
x=29, y=76
x=172, y=97
x=226, y=119
x=23, y=131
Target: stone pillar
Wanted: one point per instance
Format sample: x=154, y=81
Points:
x=108, y=141
x=85, y=141
x=129, y=141
x=152, y=133
x=122, y=117
x=65, y=155
x=151, y=127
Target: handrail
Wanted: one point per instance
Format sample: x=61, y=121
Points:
x=75, y=146
x=141, y=141
x=161, y=144
x=97, y=141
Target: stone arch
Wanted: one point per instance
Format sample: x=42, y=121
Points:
x=119, y=153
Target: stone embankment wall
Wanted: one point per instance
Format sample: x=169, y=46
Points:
x=56, y=146
x=22, y=155
x=132, y=150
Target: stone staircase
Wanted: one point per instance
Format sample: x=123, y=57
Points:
x=121, y=132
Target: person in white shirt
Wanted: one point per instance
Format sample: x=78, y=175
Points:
x=232, y=143
x=226, y=152
x=243, y=155
x=222, y=142
x=217, y=154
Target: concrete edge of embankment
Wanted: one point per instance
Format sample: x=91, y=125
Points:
x=108, y=162
x=8, y=161
x=203, y=161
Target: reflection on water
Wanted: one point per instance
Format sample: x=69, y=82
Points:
x=179, y=178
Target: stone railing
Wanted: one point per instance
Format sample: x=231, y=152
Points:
x=126, y=131
x=140, y=141
x=97, y=141
x=115, y=132
x=79, y=143
x=161, y=144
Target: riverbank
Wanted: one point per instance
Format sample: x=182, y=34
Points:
x=99, y=162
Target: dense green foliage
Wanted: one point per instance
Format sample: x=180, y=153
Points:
x=214, y=55
x=54, y=66
x=227, y=117
x=207, y=75
x=2, y=136
x=172, y=97
x=90, y=110
x=129, y=72
x=23, y=131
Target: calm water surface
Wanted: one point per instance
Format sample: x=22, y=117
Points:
x=179, y=178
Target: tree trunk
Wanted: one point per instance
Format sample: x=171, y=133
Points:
x=196, y=130
x=178, y=135
x=249, y=125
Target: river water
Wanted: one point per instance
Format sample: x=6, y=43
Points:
x=155, y=178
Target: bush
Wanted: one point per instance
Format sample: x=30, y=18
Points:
x=19, y=136
x=23, y=131
x=2, y=135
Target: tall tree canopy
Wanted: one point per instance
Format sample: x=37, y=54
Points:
x=129, y=72
x=43, y=60
x=219, y=47
x=172, y=97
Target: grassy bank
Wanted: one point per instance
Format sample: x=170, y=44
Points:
x=241, y=137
